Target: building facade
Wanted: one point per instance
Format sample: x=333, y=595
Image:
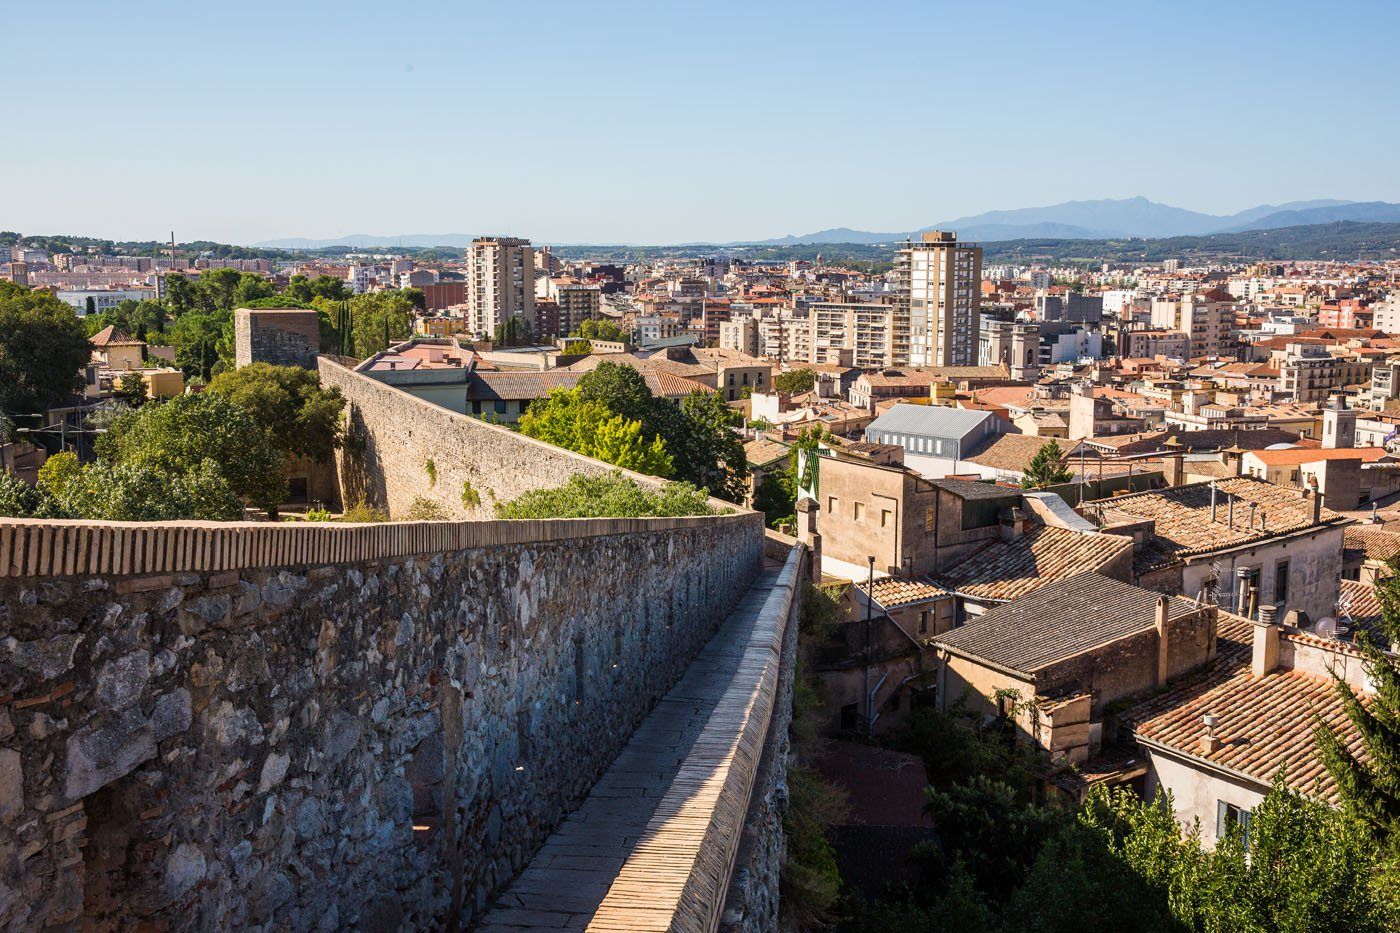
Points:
x=938, y=285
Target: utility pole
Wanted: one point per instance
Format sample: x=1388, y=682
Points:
x=865, y=673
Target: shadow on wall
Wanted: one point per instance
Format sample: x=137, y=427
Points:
x=358, y=484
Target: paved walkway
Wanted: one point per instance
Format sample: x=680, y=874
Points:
x=563, y=886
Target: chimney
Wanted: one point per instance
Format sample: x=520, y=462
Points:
x=1162, y=642
x=1253, y=512
x=1242, y=591
x=1213, y=492
x=1210, y=742
x=1266, y=639
x=1230, y=510
x=1317, y=506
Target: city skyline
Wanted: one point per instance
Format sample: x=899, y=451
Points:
x=727, y=124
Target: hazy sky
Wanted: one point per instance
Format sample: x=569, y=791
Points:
x=662, y=121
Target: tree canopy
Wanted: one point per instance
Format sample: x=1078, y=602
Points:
x=795, y=381
x=42, y=350
x=599, y=329
x=175, y=439
x=299, y=417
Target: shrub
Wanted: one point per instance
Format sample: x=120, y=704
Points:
x=610, y=495
x=426, y=510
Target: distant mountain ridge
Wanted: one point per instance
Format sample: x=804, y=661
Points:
x=1072, y=220
x=1115, y=218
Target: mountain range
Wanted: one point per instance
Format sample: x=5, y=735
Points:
x=1072, y=220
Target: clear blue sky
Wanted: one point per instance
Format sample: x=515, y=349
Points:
x=663, y=121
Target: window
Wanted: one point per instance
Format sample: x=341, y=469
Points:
x=923, y=622
x=885, y=516
x=831, y=503
x=500, y=407
x=1281, y=583
x=1229, y=814
x=849, y=718
x=929, y=520
x=859, y=511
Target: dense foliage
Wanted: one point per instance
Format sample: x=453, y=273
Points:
x=1009, y=860
x=609, y=495
x=42, y=350
x=599, y=329
x=1370, y=787
x=795, y=381
x=300, y=418
x=196, y=456
x=612, y=415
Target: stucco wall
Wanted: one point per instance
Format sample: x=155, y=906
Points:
x=1196, y=793
x=208, y=748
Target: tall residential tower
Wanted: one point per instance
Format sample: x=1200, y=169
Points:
x=939, y=288
x=500, y=282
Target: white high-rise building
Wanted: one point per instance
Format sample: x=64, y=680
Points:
x=500, y=282
x=939, y=287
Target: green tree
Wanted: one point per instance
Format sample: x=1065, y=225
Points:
x=174, y=439
x=795, y=381
x=131, y=389
x=42, y=350
x=608, y=495
x=1370, y=786
x=376, y=320
x=513, y=332
x=1046, y=468
x=300, y=417
x=599, y=329
x=591, y=428
x=199, y=338
x=180, y=294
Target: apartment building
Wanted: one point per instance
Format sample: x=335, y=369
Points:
x=578, y=303
x=938, y=288
x=739, y=334
x=1308, y=373
x=865, y=329
x=1149, y=344
x=500, y=282
x=1207, y=319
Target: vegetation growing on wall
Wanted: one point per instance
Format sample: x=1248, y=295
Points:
x=610, y=495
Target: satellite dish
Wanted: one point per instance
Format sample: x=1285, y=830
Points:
x=1326, y=627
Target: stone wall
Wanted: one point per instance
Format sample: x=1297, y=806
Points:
x=393, y=437
x=217, y=734
x=282, y=337
x=752, y=902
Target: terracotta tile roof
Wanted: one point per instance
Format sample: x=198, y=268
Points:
x=1005, y=570
x=515, y=386
x=762, y=452
x=893, y=592
x=1014, y=451
x=898, y=378
x=1058, y=621
x=1265, y=723
x=1363, y=604
x=1375, y=543
x=1183, y=525
x=1305, y=455
x=110, y=336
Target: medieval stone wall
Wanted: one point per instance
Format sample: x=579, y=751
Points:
x=216, y=734
x=400, y=448
x=282, y=337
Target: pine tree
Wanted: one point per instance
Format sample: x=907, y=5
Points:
x=1045, y=468
x=1370, y=788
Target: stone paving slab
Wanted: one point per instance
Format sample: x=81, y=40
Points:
x=567, y=880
